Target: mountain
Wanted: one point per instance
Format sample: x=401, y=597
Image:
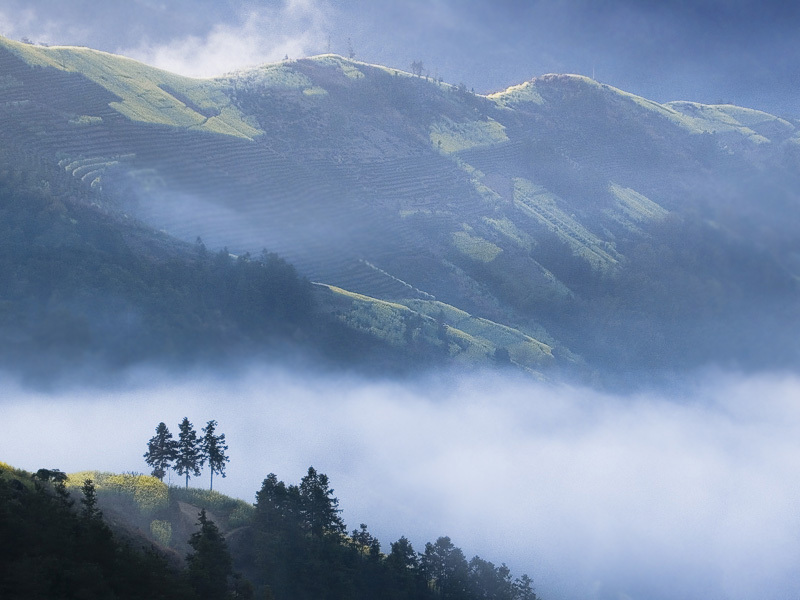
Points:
x=561, y=223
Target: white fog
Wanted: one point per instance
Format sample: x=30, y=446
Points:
x=691, y=494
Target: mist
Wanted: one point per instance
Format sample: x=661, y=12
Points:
x=690, y=493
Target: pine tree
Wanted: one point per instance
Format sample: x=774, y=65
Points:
x=162, y=450
x=189, y=458
x=319, y=508
x=210, y=565
x=90, y=511
x=213, y=449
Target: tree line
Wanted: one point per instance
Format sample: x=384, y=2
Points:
x=188, y=453
x=295, y=546
x=298, y=549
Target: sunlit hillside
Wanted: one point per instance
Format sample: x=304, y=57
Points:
x=560, y=223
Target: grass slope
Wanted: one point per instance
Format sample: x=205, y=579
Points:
x=528, y=208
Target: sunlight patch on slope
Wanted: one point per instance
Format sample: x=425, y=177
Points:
x=541, y=205
x=449, y=136
x=506, y=227
x=633, y=208
x=140, y=89
x=523, y=349
x=347, y=67
x=518, y=94
x=729, y=119
x=475, y=247
x=467, y=339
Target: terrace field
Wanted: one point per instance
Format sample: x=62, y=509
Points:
x=552, y=215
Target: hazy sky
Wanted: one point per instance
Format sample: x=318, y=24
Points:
x=691, y=495
x=741, y=51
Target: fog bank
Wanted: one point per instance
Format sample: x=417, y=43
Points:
x=692, y=494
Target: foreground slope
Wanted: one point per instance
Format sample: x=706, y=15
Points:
x=560, y=220
x=127, y=536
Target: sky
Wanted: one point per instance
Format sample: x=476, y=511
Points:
x=739, y=51
x=690, y=494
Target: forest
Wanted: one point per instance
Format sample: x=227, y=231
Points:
x=88, y=290
x=293, y=544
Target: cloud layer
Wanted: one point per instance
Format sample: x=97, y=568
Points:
x=257, y=35
x=692, y=495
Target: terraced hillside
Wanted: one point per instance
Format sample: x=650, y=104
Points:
x=586, y=223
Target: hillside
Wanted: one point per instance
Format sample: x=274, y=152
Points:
x=559, y=223
x=132, y=536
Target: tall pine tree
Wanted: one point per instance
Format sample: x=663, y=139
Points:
x=162, y=450
x=190, y=457
x=213, y=448
x=319, y=508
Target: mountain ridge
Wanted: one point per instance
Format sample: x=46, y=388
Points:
x=554, y=208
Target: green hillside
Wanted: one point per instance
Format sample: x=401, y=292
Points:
x=557, y=223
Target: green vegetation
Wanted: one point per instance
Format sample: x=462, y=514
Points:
x=144, y=91
x=475, y=247
x=188, y=453
x=451, y=137
x=535, y=201
x=563, y=209
x=432, y=328
x=54, y=550
x=291, y=544
x=80, y=284
x=302, y=551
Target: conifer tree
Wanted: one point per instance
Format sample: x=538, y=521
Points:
x=213, y=448
x=319, y=508
x=162, y=450
x=189, y=458
x=210, y=565
x=90, y=511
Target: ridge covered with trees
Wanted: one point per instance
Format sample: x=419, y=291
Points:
x=291, y=544
x=87, y=290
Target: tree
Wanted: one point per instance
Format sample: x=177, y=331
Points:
x=59, y=480
x=403, y=557
x=417, y=68
x=213, y=448
x=277, y=506
x=162, y=450
x=189, y=458
x=210, y=565
x=90, y=511
x=318, y=507
x=523, y=588
x=365, y=543
x=446, y=568
x=487, y=582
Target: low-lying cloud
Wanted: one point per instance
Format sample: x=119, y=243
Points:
x=296, y=28
x=692, y=494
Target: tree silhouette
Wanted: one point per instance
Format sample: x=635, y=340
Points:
x=162, y=450
x=213, y=448
x=189, y=456
x=210, y=565
x=319, y=509
x=445, y=567
x=89, y=509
